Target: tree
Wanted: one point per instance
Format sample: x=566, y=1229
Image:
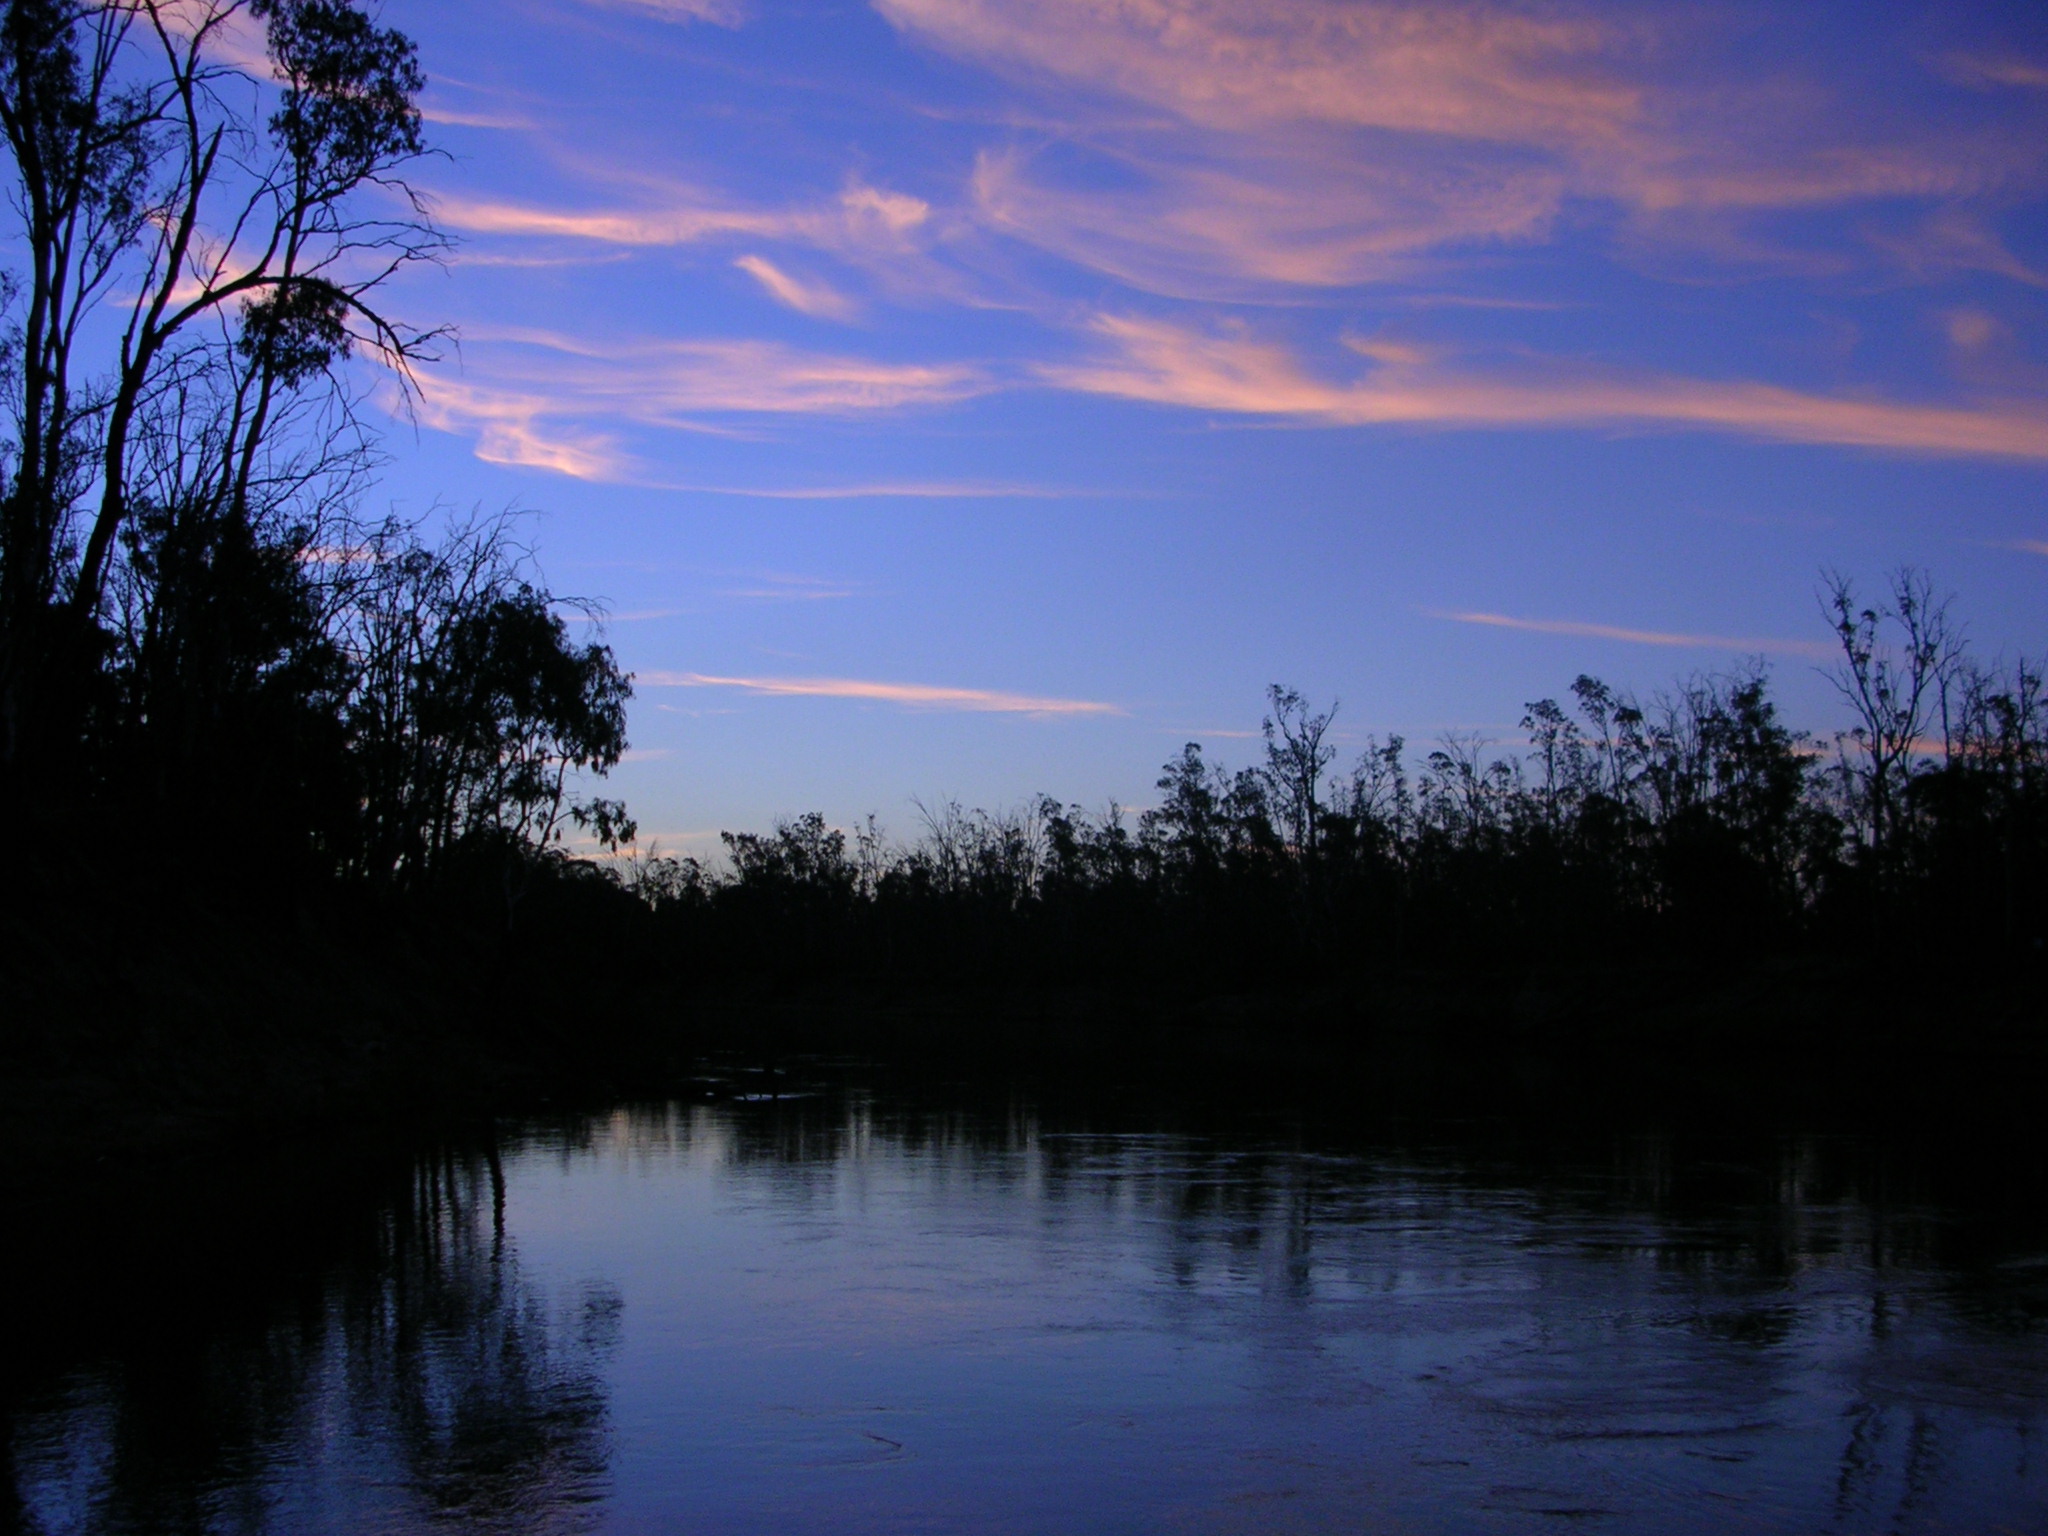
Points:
x=468, y=706
x=82, y=146
x=1296, y=757
x=1898, y=663
x=1188, y=825
x=1564, y=758
x=144, y=161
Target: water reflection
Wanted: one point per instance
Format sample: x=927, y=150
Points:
x=361, y=1359
x=845, y=1311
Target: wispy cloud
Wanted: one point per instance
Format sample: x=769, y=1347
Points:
x=1336, y=141
x=518, y=428
x=534, y=260
x=1952, y=240
x=913, y=490
x=805, y=297
x=337, y=554
x=1470, y=70
x=911, y=695
x=861, y=218
x=1749, y=646
x=653, y=227
x=724, y=13
x=452, y=118
x=1986, y=70
x=1606, y=95
x=1235, y=372
x=774, y=588
x=657, y=380
x=631, y=616
x=555, y=402
x=1197, y=229
x=2030, y=546
x=234, y=35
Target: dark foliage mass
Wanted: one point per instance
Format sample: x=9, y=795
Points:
x=202, y=639
x=1697, y=825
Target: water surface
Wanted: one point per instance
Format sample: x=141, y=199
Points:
x=840, y=1312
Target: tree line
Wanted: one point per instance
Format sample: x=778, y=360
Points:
x=1696, y=823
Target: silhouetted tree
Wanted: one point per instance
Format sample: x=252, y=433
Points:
x=1898, y=662
x=468, y=705
x=1296, y=758
x=142, y=164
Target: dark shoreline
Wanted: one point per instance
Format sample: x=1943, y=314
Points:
x=312, y=1047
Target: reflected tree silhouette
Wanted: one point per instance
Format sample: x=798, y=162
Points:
x=408, y=1373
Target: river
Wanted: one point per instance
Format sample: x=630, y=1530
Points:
x=775, y=1305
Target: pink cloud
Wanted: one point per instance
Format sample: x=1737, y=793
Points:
x=723, y=13
x=808, y=298
x=555, y=402
x=1953, y=240
x=1311, y=220
x=655, y=381
x=917, y=490
x=1168, y=364
x=512, y=427
x=860, y=217
x=913, y=695
x=232, y=34
x=654, y=227
x=1315, y=141
x=1810, y=648
x=1471, y=71
x=456, y=119
x=1986, y=70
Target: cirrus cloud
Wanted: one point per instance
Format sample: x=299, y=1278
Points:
x=1293, y=141
x=911, y=695
x=1234, y=372
x=558, y=402
x=817, y=299
x=1580, y=629
x=860, y=217
x=1473, y=71
x=723, y=13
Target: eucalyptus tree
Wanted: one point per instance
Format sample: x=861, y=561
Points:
x=81, y=143
x=1297, y=756
x=1900, y=659
x=210, y=197
x=466, y=703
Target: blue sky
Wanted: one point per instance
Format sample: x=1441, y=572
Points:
x=976, y=397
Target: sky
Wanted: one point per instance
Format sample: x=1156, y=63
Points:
x=974, y=398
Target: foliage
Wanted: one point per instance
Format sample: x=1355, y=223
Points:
x=195, y=273
x=1695, y=822
x=198, y=632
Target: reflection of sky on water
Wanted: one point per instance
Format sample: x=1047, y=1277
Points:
x=812, y=1316
x=1018, y=1329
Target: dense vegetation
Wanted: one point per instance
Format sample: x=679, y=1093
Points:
x=1696, y=825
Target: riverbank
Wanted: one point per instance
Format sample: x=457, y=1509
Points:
x=147, y=1030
